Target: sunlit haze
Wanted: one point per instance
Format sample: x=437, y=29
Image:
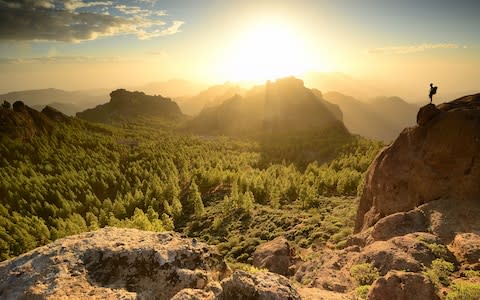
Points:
x=397, y=47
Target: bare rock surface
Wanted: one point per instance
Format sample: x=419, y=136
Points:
x=409, y=252
x=115, y=263
x=466, y=247
x=259, y=286
x=399, y=224
x=402, y=286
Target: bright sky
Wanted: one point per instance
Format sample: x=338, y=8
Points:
x=79, y=44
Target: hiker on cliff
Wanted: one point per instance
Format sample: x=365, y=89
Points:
x=433, y=91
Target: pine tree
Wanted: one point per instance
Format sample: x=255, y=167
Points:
x=195, y=199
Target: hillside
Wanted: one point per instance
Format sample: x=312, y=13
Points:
x=128, y=106
x=382, y=118
x=68, y=102
x=21, y=121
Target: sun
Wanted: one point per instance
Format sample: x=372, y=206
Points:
x=267, y=51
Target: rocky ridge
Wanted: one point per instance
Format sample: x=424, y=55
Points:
x=22, y=121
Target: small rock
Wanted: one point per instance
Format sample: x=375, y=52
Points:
x=275, y=256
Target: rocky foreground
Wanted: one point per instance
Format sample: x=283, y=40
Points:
x=418, y=226
x=417, y=236
x=115, y=263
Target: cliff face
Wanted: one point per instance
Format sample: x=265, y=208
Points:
x=114, y=263
x=419, y=209
x=438, y=159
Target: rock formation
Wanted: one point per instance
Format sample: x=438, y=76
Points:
x=126, y=106
x=114, y=263
x=275, y=256
x=439, y=159
x=419, y=206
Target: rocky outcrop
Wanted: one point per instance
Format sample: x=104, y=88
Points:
x=114, y=263
x=243, y=285
x=438, y=160
x=410, y=252
x=466, y=247
x=402, y=286
x=275, y=256
x=399, y=224
x=127, y=106
x=419, y=206
x=23, y=122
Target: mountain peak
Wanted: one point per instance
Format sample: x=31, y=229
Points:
x=126, y=105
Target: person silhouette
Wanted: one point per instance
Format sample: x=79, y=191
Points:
x=433, y=91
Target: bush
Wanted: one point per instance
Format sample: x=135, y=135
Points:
x=440, y=272
x=464, y=290
x=471, y=273
x=362, y=291
x=364, y=274
x=439, y=250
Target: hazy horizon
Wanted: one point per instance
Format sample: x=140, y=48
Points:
x=394, y=48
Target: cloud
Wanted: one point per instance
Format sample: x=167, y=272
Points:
x=81, y=20
x=411, y=48
x=58, y=60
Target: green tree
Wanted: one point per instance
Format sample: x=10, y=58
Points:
x=195, y=199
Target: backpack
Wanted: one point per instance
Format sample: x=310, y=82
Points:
x=434, y=90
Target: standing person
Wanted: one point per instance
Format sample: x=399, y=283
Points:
x=433, y=91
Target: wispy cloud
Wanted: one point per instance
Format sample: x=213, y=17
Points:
x=81, y=20
x=411, y=48
x=58, y=60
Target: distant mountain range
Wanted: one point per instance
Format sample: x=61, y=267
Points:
x=283, y=106
x=210, y=97
x=382, y=118
x=127, y=106
x=68, y=102
x=231, y=109
x=171, y=88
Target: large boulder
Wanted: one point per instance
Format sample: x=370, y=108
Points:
x=397, y=285
x=260, y=286
x=410, y=252
x=112, y=263
x=399, y=224
x=438, y=160
x=275, y=255
x=115, y=263
x=466, y=247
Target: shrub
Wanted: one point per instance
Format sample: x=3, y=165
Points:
x=440, y=272
x=244, y=267
x=364, y=274
x=362, y=291
x=471, y=273
x=439, y=250
x=464, y=290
